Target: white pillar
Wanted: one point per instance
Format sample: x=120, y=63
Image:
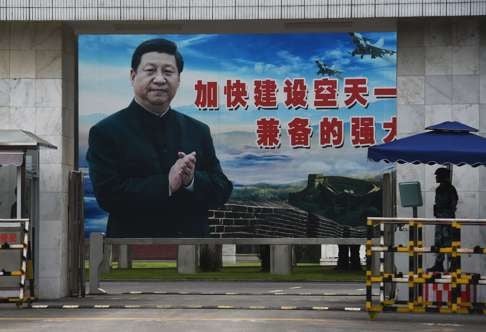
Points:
x=280, y=259
x=186, y=259
x=229, y=254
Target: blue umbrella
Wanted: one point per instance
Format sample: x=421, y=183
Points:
x=445, y=143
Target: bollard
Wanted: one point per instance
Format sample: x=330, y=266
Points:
x=186, y=259
x=95, y=260
x=280, y=259
x=123, y=256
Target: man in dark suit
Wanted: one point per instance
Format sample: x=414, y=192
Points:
x=155, y=170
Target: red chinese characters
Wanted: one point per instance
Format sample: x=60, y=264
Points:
x=331, y=132
x=325, y=93
x=295, y=93
x=362, y=131
x=356, y=88
x=265, y=93
x=391, y=128
x=206, y=95
x=300, y=132
x=385, y=92
x=236, y=95
x=268, y=133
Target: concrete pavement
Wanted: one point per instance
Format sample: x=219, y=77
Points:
x=223, y=306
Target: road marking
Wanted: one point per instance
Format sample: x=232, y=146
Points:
x=352, y=309
x=70, y=306
x=194, y=306
x=320, y=308
x=163, y=306
x=276, y=290
x=443, y=324
x=296, y=287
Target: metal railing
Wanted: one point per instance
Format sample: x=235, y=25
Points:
x=151, y=10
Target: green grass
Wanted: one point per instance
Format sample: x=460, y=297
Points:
x=166, y=271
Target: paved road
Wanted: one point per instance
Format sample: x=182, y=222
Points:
x=264, y=297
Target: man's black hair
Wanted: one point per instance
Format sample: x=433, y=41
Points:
x=160, y=45
x=443, y=174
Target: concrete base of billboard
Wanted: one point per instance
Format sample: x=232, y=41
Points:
x=105, y=266
x=280, y=259
x=123, y=260
x=95, y=262
x=229, y=254
x=187, y=259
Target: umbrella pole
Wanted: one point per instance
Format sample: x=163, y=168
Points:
x=449, y=167
x=458, y=258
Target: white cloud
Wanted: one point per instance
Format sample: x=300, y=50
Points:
x=194, y=40
x=313, y=166
x=294, y=60
x=294, y=66
x=103, y=89
x=102, y=102
x=338, y=58
x=89, y=72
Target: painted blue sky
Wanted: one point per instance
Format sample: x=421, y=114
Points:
x=280, y=53
x=104, y=88
x=104, y=62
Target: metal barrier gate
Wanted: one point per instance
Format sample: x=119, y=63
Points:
x=417, y=279
x=21, y=244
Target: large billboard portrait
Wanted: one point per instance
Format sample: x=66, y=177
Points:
x=234, y=135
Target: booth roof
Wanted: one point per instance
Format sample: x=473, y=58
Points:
x=22, y=139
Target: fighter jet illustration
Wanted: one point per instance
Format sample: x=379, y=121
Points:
x=324, y=69
x=364, y=46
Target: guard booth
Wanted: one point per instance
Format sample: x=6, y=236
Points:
x=19, y=214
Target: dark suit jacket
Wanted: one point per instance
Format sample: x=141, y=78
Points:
x=130, y=154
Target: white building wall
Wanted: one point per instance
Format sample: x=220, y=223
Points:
x=31, y=90
x=441, y=76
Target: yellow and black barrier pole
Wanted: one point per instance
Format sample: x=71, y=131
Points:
x=417, y=279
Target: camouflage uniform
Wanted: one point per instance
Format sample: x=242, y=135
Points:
x=445, y=207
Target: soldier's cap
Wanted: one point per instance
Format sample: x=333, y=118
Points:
x=442, y=172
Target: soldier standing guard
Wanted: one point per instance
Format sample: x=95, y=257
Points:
x=444, y=207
